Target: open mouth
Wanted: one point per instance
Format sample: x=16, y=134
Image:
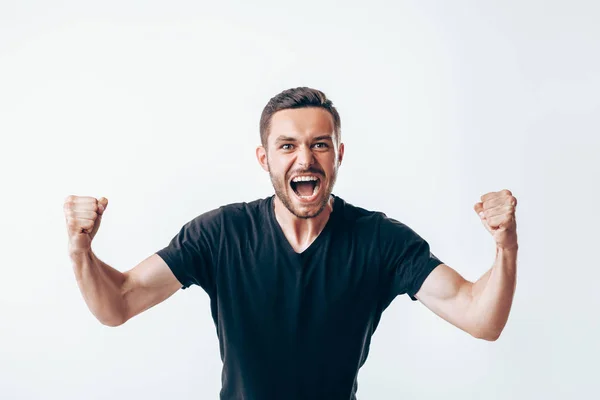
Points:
x=306, y=187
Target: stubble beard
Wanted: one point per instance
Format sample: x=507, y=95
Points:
x=280, y=185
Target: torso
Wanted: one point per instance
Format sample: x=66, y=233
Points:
x=296, y=322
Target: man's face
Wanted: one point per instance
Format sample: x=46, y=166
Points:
x=302, y=158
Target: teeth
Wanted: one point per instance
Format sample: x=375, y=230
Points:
x=304, y=178
x=317, y=186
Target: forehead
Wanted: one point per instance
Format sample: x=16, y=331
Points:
x=301, y=123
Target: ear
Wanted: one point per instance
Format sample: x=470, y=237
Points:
x=261, y=156
x=340, y=154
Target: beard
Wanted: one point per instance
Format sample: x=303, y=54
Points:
x=282, y=188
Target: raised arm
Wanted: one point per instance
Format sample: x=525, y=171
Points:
x=115, y=297
x=112, y=296
x=480, y=308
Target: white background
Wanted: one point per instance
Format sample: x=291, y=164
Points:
x=156, y=107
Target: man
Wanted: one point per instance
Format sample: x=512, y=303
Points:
x=298, y=281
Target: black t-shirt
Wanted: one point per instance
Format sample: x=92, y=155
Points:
x=296, y=326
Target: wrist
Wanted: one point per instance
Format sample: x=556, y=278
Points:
x=78, y=254
x=507, y=250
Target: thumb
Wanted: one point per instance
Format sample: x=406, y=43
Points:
x=478, y=208
x=102, y=204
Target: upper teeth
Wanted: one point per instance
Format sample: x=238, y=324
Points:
x=304, y=178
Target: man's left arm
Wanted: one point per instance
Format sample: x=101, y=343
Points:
x=480, y=308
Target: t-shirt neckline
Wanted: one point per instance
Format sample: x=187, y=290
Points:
x=284, y=242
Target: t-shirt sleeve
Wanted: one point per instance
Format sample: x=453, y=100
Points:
x=191, y=253
x=406, y=257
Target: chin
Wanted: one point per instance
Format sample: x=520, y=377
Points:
x=311, y=207
x=307, y=212
x=304, y=195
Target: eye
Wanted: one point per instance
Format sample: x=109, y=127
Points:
x=321, y=145
x=286, y=146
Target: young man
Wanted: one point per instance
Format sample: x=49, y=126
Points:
x=298, y=281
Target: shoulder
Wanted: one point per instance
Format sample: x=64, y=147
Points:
x=359, y=216
x=377, y=222
x=226, y=218
x=236, y=213
x=245, y=210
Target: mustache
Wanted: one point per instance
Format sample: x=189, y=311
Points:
x=314, y=171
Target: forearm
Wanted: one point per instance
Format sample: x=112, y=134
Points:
x=492, y=295
x=101, y=287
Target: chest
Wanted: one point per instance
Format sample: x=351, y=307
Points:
x=261, y=281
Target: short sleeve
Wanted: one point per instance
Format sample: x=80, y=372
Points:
x=406, y=256
x=191, y=254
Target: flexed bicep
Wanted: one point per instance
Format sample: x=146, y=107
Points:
x=148, y=284
x=448, y=295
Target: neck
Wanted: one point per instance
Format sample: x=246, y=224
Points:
x=301, y=232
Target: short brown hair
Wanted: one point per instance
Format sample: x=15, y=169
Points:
x=300, y=97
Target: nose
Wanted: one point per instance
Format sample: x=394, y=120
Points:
x=305, y=157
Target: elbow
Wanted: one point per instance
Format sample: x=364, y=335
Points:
x=489, y=335
x=112, y=322
x=111, y=317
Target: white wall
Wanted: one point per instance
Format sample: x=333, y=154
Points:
x=156, y=107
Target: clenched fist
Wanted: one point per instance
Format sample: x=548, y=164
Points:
x=497, y=213
x=83, y=216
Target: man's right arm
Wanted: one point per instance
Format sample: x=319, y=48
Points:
x=112, y=296
x=115, y=297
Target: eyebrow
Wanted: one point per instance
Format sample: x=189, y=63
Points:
x=323, y=137
x=283, y=138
